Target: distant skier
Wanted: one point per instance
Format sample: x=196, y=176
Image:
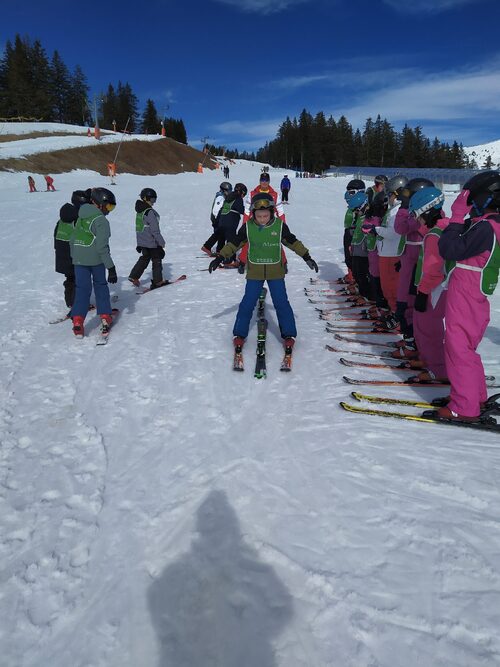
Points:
x=264, y=232
x=285, y=186
x=150, y=242
x=31, y=183
x=91, y=257
x=50, y=183
x=63, y=232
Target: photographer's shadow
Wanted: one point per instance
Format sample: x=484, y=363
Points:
x=218, y=606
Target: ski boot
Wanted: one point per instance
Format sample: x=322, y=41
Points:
x=106, y=322
x=135, y=281
x=238, y=343
x=207, y=251
x=286, y=364
x=78, y=326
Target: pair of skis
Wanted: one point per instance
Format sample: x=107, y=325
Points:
x=164, y=284
x=260, y=360
x=487, y=421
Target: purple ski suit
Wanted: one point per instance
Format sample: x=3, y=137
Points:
x=406, y=225
x=467, y=309
x=428, y=327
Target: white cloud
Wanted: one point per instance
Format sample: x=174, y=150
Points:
x=447, y=96
x=262, y=6
x=430, y=6
x=264, y=128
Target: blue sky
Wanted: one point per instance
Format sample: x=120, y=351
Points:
x=234, y=69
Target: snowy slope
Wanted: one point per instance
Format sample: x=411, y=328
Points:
x=481, y=153
x=23, y=147
x=157, y=509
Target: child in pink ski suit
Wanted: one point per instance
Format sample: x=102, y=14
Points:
x=476, y=249
x=429, y=306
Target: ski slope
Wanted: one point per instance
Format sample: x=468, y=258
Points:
x=159, y=510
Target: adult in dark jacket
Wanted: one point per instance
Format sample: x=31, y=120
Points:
x=150, y=242
x=230, y=216
x=63, y=232
x=285, y=186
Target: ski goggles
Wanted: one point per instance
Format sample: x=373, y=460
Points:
x=262, y=204
x=109, y=207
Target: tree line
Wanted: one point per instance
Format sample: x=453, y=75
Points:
x=315, y=143
x=36, y=87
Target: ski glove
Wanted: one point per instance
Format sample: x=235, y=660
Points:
x=397, y=266
x=420, y=304
x=368, y=228
x=241, y=268
x=112, y=277
x=161, y=253
x=310, y=262
x=460, y=208
x=215, y=263
x=139, y=249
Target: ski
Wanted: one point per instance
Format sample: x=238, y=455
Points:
x=488, y=424
x=103, y=335
x=238, y=360
x=260, y=361
x=410, y=383
x=165, y=283
x=403, y=366
x=286, y=364
x=347, y=339
x=358, y=330
x=382, y=355
x=435, y=403
x=63, y=318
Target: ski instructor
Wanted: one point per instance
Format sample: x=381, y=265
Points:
x=264, y=232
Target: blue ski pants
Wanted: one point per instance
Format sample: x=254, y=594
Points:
x=85, y=277
x=284, y=312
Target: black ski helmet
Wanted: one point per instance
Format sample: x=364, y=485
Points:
x=414, y=185
x=147, y=194
x=241, y=189
x=380, y=179
x=262, y=200
x=226, y=187
x=484, y=189
x=356, y=184
x=103, y=197
x=80, y=197
x=395, y=184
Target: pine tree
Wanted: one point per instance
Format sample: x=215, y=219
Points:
x=488, y=163
x=150, y=121
x=77, y=103
x=109, y=108
x=60, y=87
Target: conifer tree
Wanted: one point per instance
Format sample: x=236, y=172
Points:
x=150, y=121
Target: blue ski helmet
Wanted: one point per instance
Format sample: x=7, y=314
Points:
x=358, y=200
x=425, y=199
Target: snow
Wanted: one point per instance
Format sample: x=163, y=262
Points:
x=23, y=147
x=157, y=508
x=480, y=153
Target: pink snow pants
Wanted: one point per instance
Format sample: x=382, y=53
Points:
x=389, y=279
x=408, y=262
x=467, y=316
x=428, y=329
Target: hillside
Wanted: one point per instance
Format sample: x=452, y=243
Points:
x=42, y=148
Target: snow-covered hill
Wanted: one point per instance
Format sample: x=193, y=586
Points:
x=157, y=508
x=482, y=152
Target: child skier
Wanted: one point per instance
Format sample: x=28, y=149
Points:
x=430, y=301
x=91, y=257
x=31, y=183
x=264, y=233
x=50, y=183
x=63, y=232
x=225, y=188
x=150, y=242
x=352, y=188
x=475, y=246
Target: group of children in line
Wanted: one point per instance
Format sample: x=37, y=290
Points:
x=48, y=180
x=428, y=276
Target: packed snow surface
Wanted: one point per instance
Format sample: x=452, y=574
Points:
x=159, y=510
